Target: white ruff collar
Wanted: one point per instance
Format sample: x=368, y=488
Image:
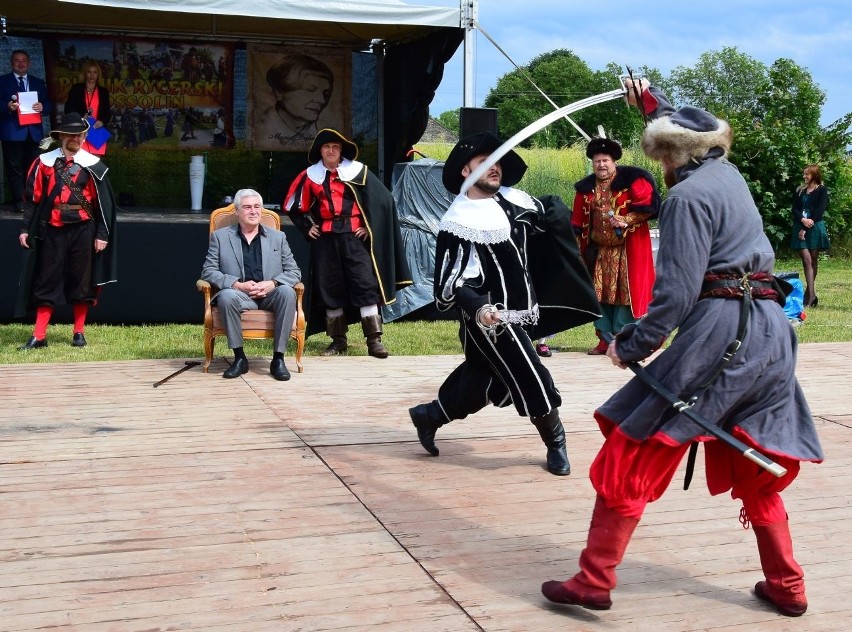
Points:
x=82, y=157
x=346, y=171
x=480, y=221
x=518, y=198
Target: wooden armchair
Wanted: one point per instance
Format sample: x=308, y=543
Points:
x=256, y=323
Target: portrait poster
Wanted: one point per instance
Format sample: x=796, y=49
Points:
x=163, y=94
x=295, y=92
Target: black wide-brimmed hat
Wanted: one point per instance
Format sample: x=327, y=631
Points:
x=604, y=146
x=72, y=123
x=348, y=150
x=475, y=145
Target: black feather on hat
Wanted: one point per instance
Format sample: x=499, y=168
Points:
x=603, y=146
x=475, y=145
x=349, y=150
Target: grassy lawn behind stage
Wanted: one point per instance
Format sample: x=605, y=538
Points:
x=830, y=321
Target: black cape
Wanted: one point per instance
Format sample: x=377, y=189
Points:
x=386, y=247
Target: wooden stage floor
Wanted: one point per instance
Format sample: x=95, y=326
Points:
x=251, y=505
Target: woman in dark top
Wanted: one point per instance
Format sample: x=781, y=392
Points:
x=809, y=234
x=88, y=98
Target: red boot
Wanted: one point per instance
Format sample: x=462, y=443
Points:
x=785, y=585
x=609, y=534
x=601, y=347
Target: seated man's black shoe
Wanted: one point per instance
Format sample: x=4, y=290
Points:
x=278, y=370
x=239, y=367
x=79, y=340
x=34, y=343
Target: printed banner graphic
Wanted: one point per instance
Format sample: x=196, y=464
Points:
x=163, y=95
x=295, y=92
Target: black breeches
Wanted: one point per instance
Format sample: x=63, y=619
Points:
x=344, y=271
x=502, y=370
x=64, y=269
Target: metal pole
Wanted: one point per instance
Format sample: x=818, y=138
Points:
x=470, y=14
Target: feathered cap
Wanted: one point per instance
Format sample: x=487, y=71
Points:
x=475, y=145
x=688, y=133
x=72, y=123
x=348, y=150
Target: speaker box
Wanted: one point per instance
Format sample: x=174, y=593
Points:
x=476, y=120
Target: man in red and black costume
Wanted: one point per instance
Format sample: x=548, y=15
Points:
x=612, y=207
x=68, y=231
x=357, y=257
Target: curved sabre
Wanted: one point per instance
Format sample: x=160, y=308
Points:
x=534, y=127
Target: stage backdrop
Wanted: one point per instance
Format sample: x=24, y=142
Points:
x=295, y=92
x=165, y=94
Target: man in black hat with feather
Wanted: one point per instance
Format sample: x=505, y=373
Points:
x=509, y=263
x=68, y=231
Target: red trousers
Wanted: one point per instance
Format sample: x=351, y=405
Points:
x=629, y=474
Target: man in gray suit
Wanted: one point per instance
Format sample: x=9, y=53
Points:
x=254, y=268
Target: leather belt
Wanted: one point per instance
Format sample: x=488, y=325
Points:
x=68, y=207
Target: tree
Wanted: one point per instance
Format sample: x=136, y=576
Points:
x=450, y=120
x=774, y=113
x=564, y=78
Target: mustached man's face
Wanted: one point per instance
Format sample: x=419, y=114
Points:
x=71, y=143
x=489, y=183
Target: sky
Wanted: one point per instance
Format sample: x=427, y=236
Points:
x=817, y=35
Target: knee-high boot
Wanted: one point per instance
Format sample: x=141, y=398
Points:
x=427, y=418
x=785, y=584
x=609, y=534
x=372, y=326
x=552, y=433
x=336, y=328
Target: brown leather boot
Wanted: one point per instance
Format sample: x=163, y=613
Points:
x=372, y=326
x=336, y=328
x=784, y=587
x=609, y=535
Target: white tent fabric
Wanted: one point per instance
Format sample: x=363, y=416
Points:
x=360, y=12
x=350, y=23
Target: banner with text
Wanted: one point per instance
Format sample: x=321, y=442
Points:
x=163, y=94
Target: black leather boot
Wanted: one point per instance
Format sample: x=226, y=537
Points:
x=552, y=434
x=427, y=418
x=372, y=326
x=336, y=328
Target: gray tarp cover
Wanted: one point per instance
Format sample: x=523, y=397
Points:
x=421, y=201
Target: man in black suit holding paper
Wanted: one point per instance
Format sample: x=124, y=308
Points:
x=20, y=142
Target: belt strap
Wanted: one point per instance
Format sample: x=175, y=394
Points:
x=68, y=207
x=746, y=287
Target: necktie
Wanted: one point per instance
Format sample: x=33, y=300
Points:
x=21, y=84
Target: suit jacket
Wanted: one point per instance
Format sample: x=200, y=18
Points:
x=10, y=129
x=224, y=263
x=76, y=102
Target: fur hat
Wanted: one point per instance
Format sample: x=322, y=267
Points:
x=603, y=146
x=688, y=133
x=72, y=123
x=349, y=150
x=475, y=145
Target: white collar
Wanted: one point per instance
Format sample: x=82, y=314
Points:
x=518, y=198
x=82, y=157
x=480, y=221
x=346, y=170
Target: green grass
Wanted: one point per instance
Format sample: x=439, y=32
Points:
x=831, y=321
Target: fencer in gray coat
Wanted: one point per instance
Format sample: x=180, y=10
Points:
x=252, y=267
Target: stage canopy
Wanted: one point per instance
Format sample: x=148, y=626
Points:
x=354, y=24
